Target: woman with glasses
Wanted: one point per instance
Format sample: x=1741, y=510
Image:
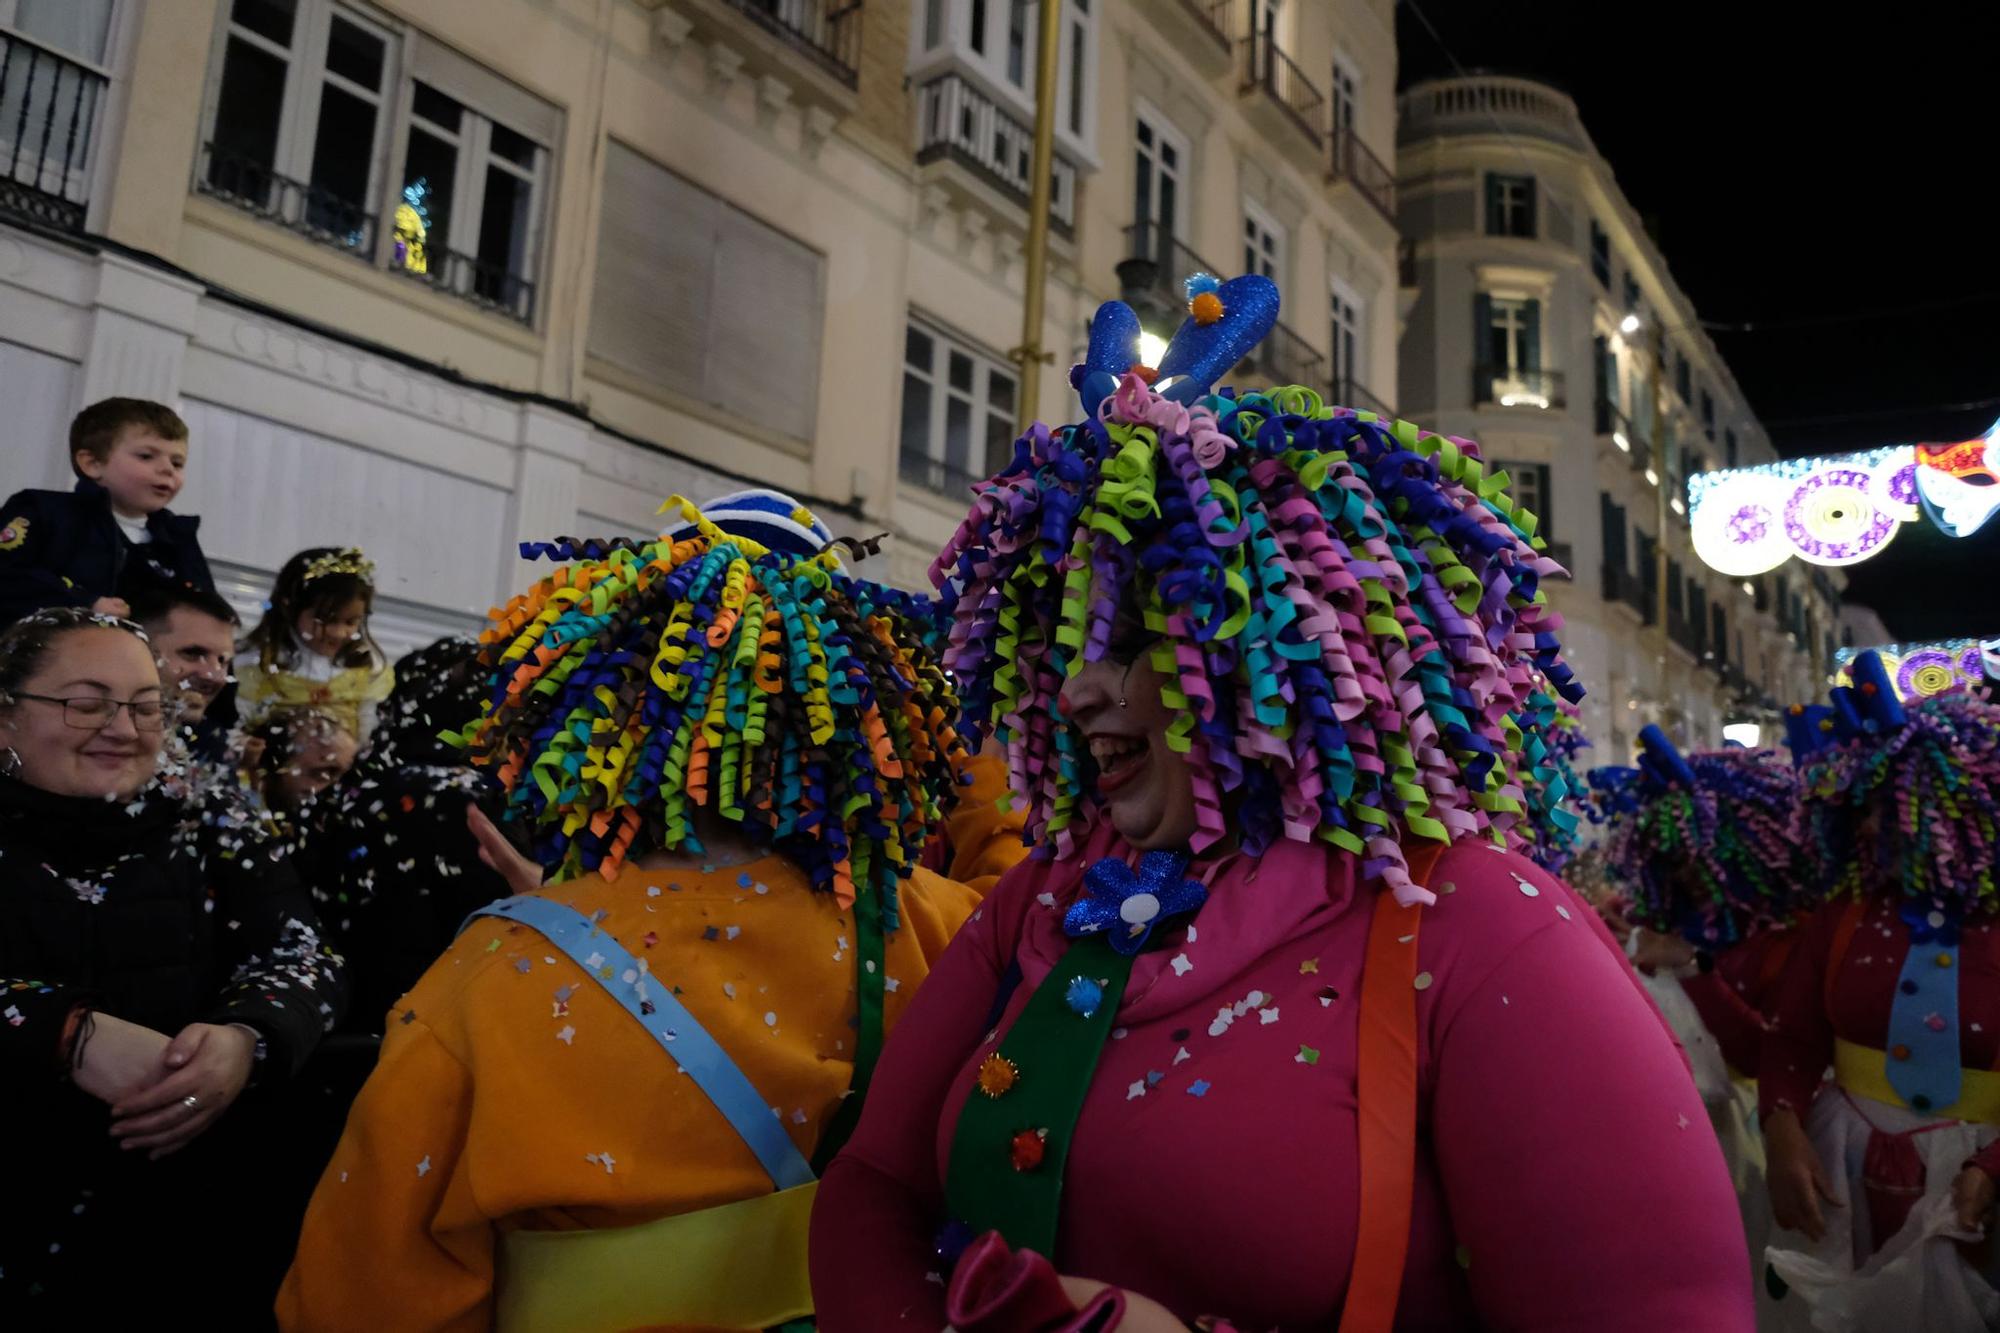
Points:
x=148, y=977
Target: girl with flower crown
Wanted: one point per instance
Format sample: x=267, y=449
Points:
x=1882, y=1177
x=1280, y=1028
x=312, y=649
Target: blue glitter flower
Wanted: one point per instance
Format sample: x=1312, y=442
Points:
x=1126, y=906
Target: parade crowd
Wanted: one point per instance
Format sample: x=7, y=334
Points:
x=1192, y=914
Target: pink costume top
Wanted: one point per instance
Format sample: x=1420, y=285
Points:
x=1566, y=1177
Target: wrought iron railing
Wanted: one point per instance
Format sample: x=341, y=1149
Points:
x=1517, y=388
x=1213, y=16
x=1353, y=393
x=1285, y=358
x=479, y=281
x=1683, y=630
x=48, y=123
x=934, y=474
x=957, y=121
x=826, y=31
x=1622, y=585
x=1350, y=160
x=1266, y=66
x=310, y=210
x=1156, y=267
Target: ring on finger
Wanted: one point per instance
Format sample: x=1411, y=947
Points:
x=190, y=1101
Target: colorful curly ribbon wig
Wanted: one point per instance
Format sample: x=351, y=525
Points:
x=1552, y=788
x=1912, y=811
x=646, y=680
x=1352, y=626
x=1712, y=852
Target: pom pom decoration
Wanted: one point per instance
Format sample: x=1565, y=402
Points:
x=1206, y=308
x=645, y=682
x=1352, y=630
x=1708, y=846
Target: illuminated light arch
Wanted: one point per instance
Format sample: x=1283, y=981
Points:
x=1921, y=670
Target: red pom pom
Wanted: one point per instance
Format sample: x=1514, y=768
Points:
x=1025, y=1150
x=1146, y=373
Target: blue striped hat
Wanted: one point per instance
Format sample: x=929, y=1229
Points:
x=769, y=518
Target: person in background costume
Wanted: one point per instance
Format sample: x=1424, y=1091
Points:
x=1246, y=1040
x=600, y=1108
x=1882, y=1178
x=312, y=649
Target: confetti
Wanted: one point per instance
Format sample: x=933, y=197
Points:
x=729, y=989
x=1527, y=890
x=1309, y=967
x=1153, y=1076
x=1182, y=1054
x=1191, y=935
x=891, y=984
x=603, y=1159
x=652, y=890
x=424, y=1167
x=732, y=932
x=1198, y=1088
x=770, y=1019
x=1327, y=995
x=1046, y=899
x=1268, y=1016
x=711, y=933
x=1137, y=1089
x=523, y=965
x=744, y=881
x=1181, y=965
x=1562, y=911
x=567, y=1036
x=1423, y=981
x=1307, y=1055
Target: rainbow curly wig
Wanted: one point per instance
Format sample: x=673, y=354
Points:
x=646, y=680
x=1350, y=618
x=1709, y=847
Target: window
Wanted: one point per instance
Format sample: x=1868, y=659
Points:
x=297, y=124
x=78, y=28
x=1729, y=446
x=695, y=294
x=1708, y=414
x=1510, y=205
x=1002, y=38
x=958, y=412
x=978, y=23
x=1600, y=254
x=933, y=24
x=1017, y=43
x=1079, y=63
x=1611, y=517
x=1509, y=334
x=1718, y=631
x=301, y=132
x=1631, y=293
x=1263, y=244
x=1345, y=340
x=1528, y=483
x=1159, y=182
x=1268, y=16
x=1682, y=376
x=1346, y=97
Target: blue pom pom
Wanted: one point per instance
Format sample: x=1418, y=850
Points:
x=1083, y=995
x=1197, y=283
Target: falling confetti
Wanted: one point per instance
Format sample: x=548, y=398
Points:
x=567, y=1036
x=1198, y=1088
x=1309, y=967
x=1182, y=966
x=1182, y=1054
x=1307, y=1055
x=1138, y=1089
x=1268, y=1016
x=424, y=1167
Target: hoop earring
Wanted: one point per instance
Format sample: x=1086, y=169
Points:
x=10, y=762
x=1121, y=702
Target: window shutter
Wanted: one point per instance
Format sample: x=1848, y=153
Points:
x=763, y=362
x=1482, y=328
x=1528, y=193
x=1531, y=335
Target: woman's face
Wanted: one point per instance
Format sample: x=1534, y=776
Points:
x=1146, y=788
x=330, y=633
x=110, y=758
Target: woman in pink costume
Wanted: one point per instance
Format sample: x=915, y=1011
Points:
x=1280, y=1031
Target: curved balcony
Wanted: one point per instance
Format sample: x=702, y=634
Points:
x=48, y=120
x=1488, y=104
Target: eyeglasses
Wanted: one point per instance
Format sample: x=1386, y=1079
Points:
x=92, y=712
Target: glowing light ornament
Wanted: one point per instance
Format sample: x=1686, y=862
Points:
x=1925, y=670
x=1840, y=509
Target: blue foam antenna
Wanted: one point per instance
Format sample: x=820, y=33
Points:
x=1112, y=350
x=1808, y=730
x=1661, y=761
x=1874, y=695
x=1200, y=354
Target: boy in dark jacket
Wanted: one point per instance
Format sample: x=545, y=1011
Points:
x=113, y=535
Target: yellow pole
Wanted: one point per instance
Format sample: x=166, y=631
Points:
x=1030, y=355
x=1660, y=503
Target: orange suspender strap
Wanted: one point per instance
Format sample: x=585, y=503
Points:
x=1843, y=935
x=1386, y=1108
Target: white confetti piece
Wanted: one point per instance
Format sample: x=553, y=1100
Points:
x=762, y=888
x=1268, y=1016
x=1046, y=899
x=595, y=961
x=1191, y=935
x=890, y=984
x=1182, y=1054
x=1404, y=939
x=770, y=1019
x=1137, y=1089
x=729, y=989
x=1181, y=965
x=343, y=1177
x=1562, y=911
x=424, y=1167
x=1527, y=890
x=1423, y=981
x=1118, y=1034
x=798, y=1115
x=567, y=1036
x=1682, y=1120
x=652, y=890
x=732, y=932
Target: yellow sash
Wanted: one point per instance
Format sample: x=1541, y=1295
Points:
x=738, y=1265
x=1865, y=1071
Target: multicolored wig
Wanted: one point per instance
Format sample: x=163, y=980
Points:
x=1349, y=612
x=647, y=680
x=1708, y=847
x=1903, y=799
x=1552, y=788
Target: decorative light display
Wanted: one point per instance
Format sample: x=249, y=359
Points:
x=1840, y=509
x=1920, y=670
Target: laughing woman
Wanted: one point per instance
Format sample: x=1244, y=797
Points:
x=1280, y=1028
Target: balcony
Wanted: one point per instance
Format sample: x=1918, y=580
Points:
x=1504, y=387
x=487, y=285
x=1621, y=585
x=310, y=210
x=1349, y=162
x=1150, y=276
x=1686, y=633
x=934, y=474
x=1482, y=104
x=1203, y=27
x=1352, y=393
x=48, y=119
x=813, y=47
x=958, y=124
x=1283, y=358
x=1295, y=98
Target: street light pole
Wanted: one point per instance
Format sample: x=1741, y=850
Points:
x=1030, y=356
x=1660, y=501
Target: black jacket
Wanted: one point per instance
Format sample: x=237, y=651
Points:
x=139, y=911
x=64, y=548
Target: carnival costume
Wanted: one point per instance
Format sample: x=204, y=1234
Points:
x=1895, y=984
x=599, y=1108
x=1308, y=1098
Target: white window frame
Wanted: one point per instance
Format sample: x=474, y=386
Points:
x=472, y=144
x=1165, y=133
x=979, y=401
x=9, y=21
x=1515, y=193
x=1350, y=330
x=955, y=44
x=1518, y=302
x=306, y=77
x=1344, y=90
x=1263, y=237
x=1280, y=16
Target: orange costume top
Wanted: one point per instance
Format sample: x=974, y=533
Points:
x=515, y=1093
x=980, y=840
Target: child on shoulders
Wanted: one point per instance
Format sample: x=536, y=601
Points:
x=312, y=649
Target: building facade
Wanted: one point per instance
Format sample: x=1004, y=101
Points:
x=1543, y=322
x=435, y=277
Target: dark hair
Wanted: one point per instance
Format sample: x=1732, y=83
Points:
x=285, y=732
x=320, y=580
x=25, y=644
x=95, y=430
x=152, y=604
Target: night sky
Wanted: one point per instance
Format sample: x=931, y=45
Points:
x=1831, y=181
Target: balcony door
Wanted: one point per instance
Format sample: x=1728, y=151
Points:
x=1345, y=340
x=1159, y=190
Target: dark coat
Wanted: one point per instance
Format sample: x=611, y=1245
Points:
x=142, y=912
x=64, y=548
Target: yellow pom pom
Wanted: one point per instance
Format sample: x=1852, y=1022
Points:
x=802, y=516
x=1206, y=308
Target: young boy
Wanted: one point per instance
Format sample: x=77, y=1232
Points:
x=113, y=535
